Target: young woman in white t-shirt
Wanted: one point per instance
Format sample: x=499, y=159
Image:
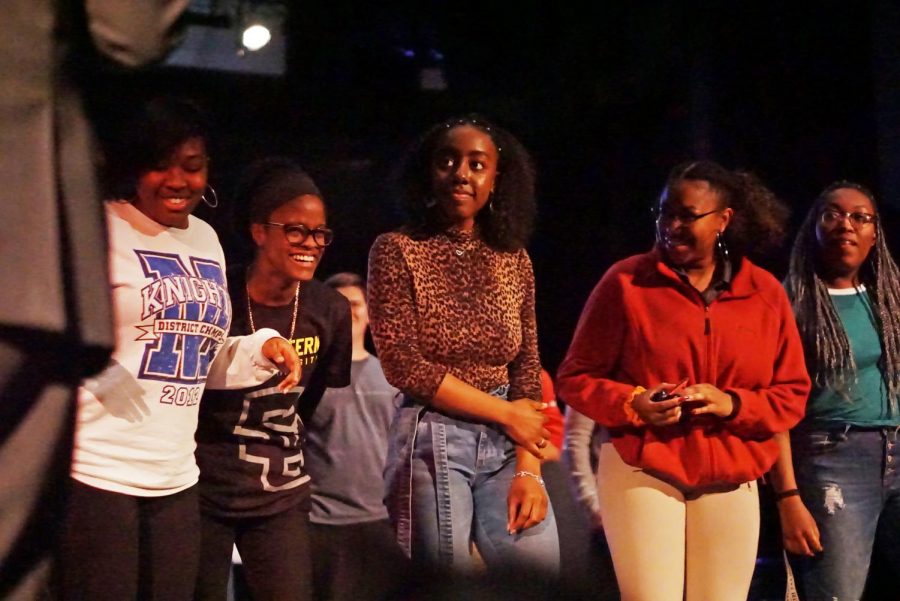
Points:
x=132, y=526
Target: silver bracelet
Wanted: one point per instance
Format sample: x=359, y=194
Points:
x=524, y=474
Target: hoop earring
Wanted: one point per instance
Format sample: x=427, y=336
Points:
x=721, y=246
x=430, y=202
x=491, y=203
x=215, y=200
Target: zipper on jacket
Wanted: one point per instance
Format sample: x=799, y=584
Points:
x=707, y=330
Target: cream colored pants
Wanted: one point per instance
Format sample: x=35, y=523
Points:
x=667, y=548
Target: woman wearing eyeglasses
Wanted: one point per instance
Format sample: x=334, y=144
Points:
x=254, y=490
x=695, y=318
x=843, y=502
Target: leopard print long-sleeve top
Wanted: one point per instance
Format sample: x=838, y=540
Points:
x=448, y=303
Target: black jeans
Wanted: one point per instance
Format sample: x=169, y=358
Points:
x=357, y=562
x=120, y=547
x=275, y=552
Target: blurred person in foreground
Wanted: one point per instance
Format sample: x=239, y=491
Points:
x=55, y=312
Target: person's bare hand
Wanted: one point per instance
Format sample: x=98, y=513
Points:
x=551, y=452
x=280, y=352
x=527, y=504
x=524, y=424
x=657, y=413
x=799, y=532
x=702, y=399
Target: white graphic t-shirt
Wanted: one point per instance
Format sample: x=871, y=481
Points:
x=136, y=419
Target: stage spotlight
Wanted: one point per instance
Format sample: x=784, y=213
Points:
x=243, y=36
x=255, y=36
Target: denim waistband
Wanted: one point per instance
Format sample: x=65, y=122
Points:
x=843, y=428
x=501, y=392
x=889, y=432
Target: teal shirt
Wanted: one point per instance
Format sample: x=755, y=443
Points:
x=867, y=401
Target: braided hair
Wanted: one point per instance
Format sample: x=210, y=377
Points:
x=828, y=352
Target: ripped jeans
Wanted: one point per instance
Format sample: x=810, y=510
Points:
x=848, y=480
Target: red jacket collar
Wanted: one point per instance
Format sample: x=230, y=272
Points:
x=742, y=281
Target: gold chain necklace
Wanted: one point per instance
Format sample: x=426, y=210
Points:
x=293, y=317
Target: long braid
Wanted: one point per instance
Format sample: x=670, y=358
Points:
x=828, y=352
x=886, y=278
x=825, y=342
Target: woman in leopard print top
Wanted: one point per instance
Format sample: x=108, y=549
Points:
x=451, y=300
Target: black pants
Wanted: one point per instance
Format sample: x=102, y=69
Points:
x=120, y=547
x=275, y=552
x=356, y=562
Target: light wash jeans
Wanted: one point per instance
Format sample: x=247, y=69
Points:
x=848, y=480
x=448, y=481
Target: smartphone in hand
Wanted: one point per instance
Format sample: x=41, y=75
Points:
x=662, y=395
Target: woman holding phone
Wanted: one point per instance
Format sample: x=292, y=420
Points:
x=700, y=365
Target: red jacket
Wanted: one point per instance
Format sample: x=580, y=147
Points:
x=643, y=325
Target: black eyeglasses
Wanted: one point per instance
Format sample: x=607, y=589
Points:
x=831, y=217
x=297, y=233
x=683, y=217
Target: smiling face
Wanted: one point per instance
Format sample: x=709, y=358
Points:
x=169, y=192
x=843, y=245
x=275, y=255
x=687, y=240
x=463, y=173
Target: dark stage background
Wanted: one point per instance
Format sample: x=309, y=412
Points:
x=608, y=99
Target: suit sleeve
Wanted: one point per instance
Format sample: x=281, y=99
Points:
x=134, y=32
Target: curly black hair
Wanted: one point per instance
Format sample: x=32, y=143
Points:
x=149, y=135
x=828, y=352
x=759, y=222
x=508, y=225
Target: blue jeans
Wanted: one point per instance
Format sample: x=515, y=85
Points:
x=448, y=481
x=848, y=480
